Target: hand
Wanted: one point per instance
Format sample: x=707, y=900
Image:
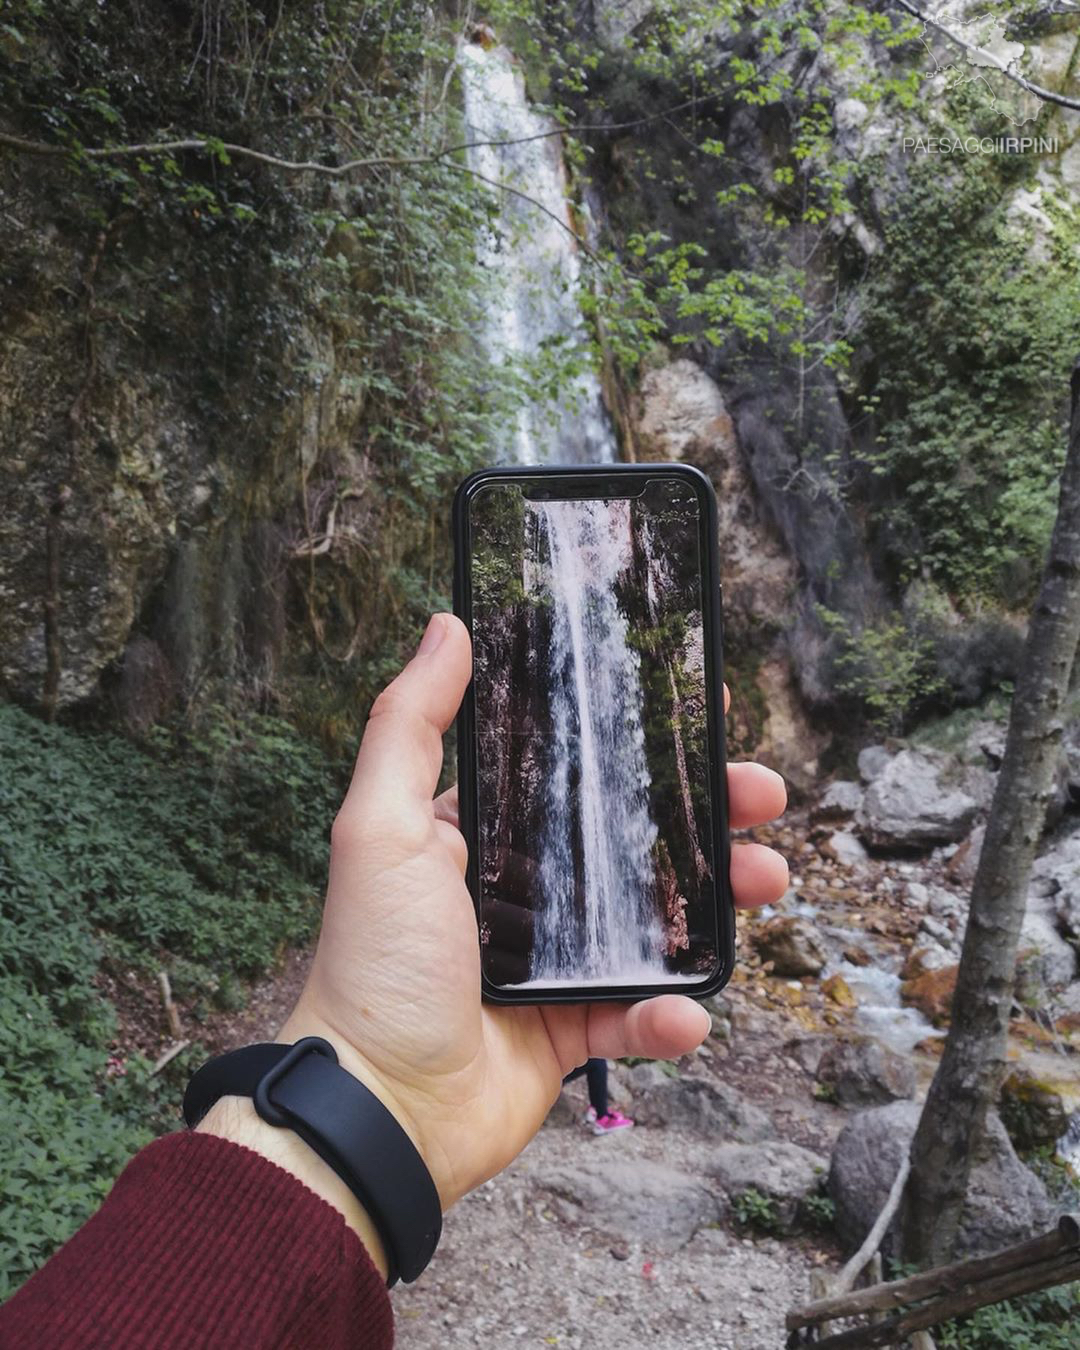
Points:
x=395, y=982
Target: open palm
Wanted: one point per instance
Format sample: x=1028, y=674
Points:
x=395, y=983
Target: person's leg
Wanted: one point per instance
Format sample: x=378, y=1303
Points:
x=575, y=1073
x=596, y=1073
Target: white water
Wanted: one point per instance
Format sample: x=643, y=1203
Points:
x=598, y=920
x=535, y=263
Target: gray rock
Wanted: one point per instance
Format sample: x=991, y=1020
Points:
x=696, y=1103
x=909, y=805
x=944, y=904
x=1045, y=961
x=840, y=801
x=847, y=848
x=1006, y=1202
x=564, y=1112
x=917, y=895
x=872, y=760
x=636, y=1200
x=792, y=944
x=1056, y=876
x=807, y=1051
x=785, y=1173
x=863, y=1072
x=938, y=930
x=985, y=744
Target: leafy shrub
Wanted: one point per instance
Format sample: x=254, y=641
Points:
x=203, y=855
x=1044, y=1321
x=752, y=1209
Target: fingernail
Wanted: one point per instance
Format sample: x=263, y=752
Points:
x=433, y=635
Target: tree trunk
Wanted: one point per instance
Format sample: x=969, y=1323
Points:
x=966, y=1083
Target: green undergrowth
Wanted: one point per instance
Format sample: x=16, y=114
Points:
x=201, y=854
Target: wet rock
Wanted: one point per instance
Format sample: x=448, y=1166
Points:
x=793, y=945
x=697, y=1104
x=1006, y=1202
x=1032, y=1111
x=909, y=805
x=964, y=862
x=863, y=1072
x=872, y=761
x=932, y=993
x=637, y=1200
x=837, y=990
x=784, y=1173
x=839, y=802
x=1045, y=961
x=924, y=957
x=857, y=956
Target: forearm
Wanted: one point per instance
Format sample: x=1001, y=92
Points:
x=206, y=1243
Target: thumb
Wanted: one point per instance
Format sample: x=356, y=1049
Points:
x=401, y=752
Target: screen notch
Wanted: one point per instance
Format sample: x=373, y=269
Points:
x=580, y=488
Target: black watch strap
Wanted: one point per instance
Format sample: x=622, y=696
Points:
x=303, y=1088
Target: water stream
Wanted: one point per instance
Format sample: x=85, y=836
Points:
x=533, y=256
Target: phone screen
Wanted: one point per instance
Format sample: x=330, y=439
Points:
x=594, y=812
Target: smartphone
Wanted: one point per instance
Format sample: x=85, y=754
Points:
x=591, y=762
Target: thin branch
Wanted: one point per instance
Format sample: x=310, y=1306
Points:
x=988, y=58
x=872, y=1241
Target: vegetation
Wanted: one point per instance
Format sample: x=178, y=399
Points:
x=115, y=859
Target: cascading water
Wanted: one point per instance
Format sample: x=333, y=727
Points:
x=599, y=921
x=536, y=265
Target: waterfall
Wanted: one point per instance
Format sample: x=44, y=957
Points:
x=535, y=264
x=599, y=921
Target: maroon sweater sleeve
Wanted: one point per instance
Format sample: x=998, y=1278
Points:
x=204, y=1243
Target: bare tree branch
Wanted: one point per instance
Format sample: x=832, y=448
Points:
x=988, y=58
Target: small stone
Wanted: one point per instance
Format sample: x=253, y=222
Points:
x=857, y=956
x=939, y=931
x=838, y=991
x=620, y=1251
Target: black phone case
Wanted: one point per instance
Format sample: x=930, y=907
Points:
x=712, y=620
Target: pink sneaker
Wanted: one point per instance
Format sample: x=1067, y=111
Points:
x=614, y=1120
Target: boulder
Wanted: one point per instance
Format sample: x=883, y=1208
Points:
x=793, y=945
x=1032, y=1111
x=784, y=1173
x=695, y=1103
x=909, y=805
x=863, y=1072
x=1006, y=1202
x=639, y=1200
x=837, y=990
x=932, y=993
x=839, y=802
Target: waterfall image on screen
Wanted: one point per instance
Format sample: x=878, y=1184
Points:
x=592, y=754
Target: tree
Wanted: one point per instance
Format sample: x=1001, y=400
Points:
x=966, y=1083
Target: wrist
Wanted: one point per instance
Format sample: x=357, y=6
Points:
x=235, y=1119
